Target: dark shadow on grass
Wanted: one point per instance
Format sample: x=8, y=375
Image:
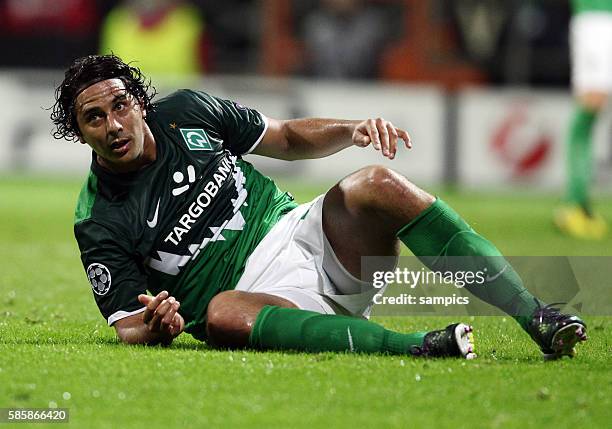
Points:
x=192, y=345
x=101, y=341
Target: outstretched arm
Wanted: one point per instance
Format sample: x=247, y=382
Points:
x=160, y=323
x=316, y=138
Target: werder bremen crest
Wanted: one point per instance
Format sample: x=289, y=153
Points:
x=196, y=139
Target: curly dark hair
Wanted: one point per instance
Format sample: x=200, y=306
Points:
x=85, y=72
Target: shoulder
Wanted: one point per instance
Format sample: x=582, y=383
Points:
x=185, y=99
x=185, y=105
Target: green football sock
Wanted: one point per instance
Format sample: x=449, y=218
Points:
x=443, y=241
x=579, y=156
x=301, y=330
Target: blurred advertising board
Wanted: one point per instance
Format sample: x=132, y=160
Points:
x=516, y=138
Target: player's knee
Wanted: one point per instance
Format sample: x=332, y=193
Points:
x=223, y=326
x=373, y=185
x=377, y=176
x=216, y=317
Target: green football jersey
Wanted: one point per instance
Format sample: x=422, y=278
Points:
x=580, y=6
x=185, y=223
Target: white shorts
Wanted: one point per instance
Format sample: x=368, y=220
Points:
x=295, y=261
x=591, y=50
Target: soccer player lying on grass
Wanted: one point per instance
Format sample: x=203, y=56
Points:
x=171, y=207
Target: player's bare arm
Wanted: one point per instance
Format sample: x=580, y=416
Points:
x=160, y=323
x=317, y=138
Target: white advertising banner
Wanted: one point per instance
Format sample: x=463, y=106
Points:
x=516, y=138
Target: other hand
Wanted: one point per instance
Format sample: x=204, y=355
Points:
x=161, y=315
x=382, y=134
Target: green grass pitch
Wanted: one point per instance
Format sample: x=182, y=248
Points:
x=56, y=349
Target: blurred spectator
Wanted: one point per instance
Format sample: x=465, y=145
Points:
x=163, y=37
x=233, y=29
x=520, y=42
x=35, y=33
x=428, y=49
x=344, y=39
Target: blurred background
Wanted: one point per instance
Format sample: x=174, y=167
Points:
x=481, y=85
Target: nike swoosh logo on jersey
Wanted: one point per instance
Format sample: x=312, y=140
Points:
x=153, y=222
x=493, y=278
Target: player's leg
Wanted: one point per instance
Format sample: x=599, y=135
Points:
x=293, y=262
x=231, y=315
x=237, y=319
x=366, y=211
x=576, y=217
x=579, y=147
x=591, y=43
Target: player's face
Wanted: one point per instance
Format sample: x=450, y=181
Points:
x=111, y=121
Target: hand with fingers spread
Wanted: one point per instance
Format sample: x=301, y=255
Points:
x=161, y=315
x=382, y=134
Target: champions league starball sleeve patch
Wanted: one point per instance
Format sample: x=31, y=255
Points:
x=100, y=278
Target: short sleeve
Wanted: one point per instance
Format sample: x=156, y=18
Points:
x=113, y=274
x=242, y=128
